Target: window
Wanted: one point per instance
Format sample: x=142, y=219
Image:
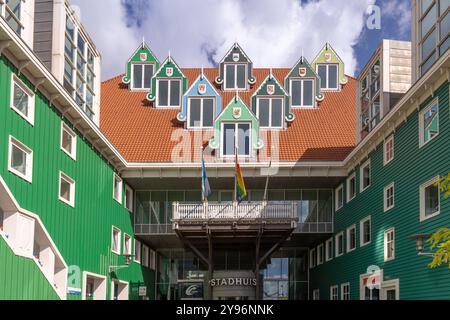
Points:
x=389, y=201
x=269, y=111
x=365, y=231
x=235, y=76
x=388, y=148
x=370, y=99
x=117, y=188
x=129, y=198
x=152, y=264
x=345, y=291
x=316, y=294
x=13, y=15
x=22, y=99
x=236, y=135
x=312, y=258
x=20, y=159
x=351, y=187
x=145, y=256
x=329, y=249
x=302, y=93
x=334, y=295
x=429, y=123
x=339, y=244
x=390, y=290
x=141, y=75
x=328, y=74
x=169, y=93
x=320, y=254
x=429, y=199
x=94, y=286
x=68, y=141
x=389, y=245
x=115, y=241
x=339, y=194
x=126, y=244
x=365, y=176
x=137, y=251
x=66, y=189
x=351, y=238
x=201, y=112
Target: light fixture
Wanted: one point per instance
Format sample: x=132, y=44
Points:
x=127, y=257
x=420, y=240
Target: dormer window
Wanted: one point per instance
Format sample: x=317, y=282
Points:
x=328, y=74
x=235, y=76
x=302, y=93
x=201, y=112
x=269, y=111
x=236, y=135
x=169, y=93
x=141, y=75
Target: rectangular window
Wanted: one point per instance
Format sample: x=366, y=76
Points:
x=137, y=251
x=152, y=264
x=117, y=188
x=365, y=176
x=339, y=244
x=302, y=93
x=20, y=159
x=328, y=74
x=22, y=99
x=320, y=254
x=345, y=291
x=334, y=295
x=389, y=201
x=201, y=112
x=126, y=244
x=66, y=189
x=129, y=198
x=429, y=123
x=269, y=111
x=235, y=76
x=236, y=134
x=389, y=245
x=388, y=148
x=429, y=199
x=13, y=15
x=365, y=231
x=312, y=258
x=169, y=93
x=142, y=74
x=351, y=238
x=115, y=240
x=329, y=249
x=68, y=141
x=351, y=187
x=316, y=294
x=339, y=196
x=145, y=256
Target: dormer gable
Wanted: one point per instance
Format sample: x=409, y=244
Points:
x=330, y=68
x=140, y=69
x=235, y=70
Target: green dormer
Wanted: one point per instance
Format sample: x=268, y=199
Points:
x=330, y=68
x=140, y=69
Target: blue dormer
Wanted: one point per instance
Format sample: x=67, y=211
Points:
x=201, y=104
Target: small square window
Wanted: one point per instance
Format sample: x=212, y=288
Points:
x=339, y=244
x=429, y=199
x=117, y=188
x=235, y=76
x=115, y=240
x=365, y=176
x=137, y=251
x=141, y=76
x=351, y=238
x=269, y=111
x=68, y=141
x=201, y=112
x=20, y=160
x=389, y=245
x=429, y=123
x=389, y=200
x=302, y=93
x=129, y=198
x=351, y=187
x=334, y=293
x=388, y=150
x=22, y=99
x=126, y=244
x=339, y=196
x=66, y=189
x=365, y=231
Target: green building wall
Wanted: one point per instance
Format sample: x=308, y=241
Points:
x=410, y=168
x=83, y=233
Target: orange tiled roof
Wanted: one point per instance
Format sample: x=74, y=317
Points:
x=145, y=134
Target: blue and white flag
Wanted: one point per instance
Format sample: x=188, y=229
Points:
x=206, y=189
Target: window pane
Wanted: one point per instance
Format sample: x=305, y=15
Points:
x=264, y=112
x=445, y=26
x=296, y=93
x=174, y=93
x=208, y=112
x=444, y=4
x=229, y=81
x=277, y=112
x=65, y=190
x=244, y=139
x=332, y=76
x=148, y=74
x=444, y=46
x=163, y=95
x=307, y=92
x=194, y=116
x=19, y=160
x=81, y=64
x=228, y=139
x=66, y=141
x=431, y=123
x=90, y=79
x=431, y=200
x=241, y=76
x=322, y=71
x=68, y=71
x=81, y=44
x=70, y=28
x=68, y=48
x=20, y=100
x=137, y=76
x=429, y=45
x=429, y=20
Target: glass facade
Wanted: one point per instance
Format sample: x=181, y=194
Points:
x=370, y=99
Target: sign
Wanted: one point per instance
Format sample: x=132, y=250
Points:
x=237, y=112
x=327, y=57
x=143, y=56
x=236, y=57
x=233, y=282
x=202, y=88
x=142, y=291
x=191, y=290
x=169, y=72
x=271, y=89
x=302, y=71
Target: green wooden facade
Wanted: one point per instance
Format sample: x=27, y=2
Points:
x=411, y=167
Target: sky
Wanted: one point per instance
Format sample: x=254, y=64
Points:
x=273, y=33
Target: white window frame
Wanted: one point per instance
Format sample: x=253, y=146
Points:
x=31, y=99
x=101, y=294
x=422, y=142
x=120, y=283
x=385, y=197
x=28, y=176
x=303, y=106
x=169, y=85
x=143, y=76
x=320, y=252
x=71, y=133
x=119, y=236
x=316, y=294
x=336, y=244
x=271, y=98
x=386, y=232
x=334, y=292
x=352, y=176
x=352, y=227
x=152, y=259
x=115, y=176
x=343, y=293
x=430, y=182
x=329, y=252
x=236, y=138
x=137, y=251
x=312, y=258
x=361, y=231
x=327, y=65
x=125, y=249
x=361, y=176
x=71, y=182
x=391, y=284
x=235, y=64
x=145, y=256
x=336, y=195
x=389, y=140
x=128, y=189
x=189, y=99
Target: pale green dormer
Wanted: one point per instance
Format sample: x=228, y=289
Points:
x=330, y=68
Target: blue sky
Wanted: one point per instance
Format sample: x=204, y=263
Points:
x=273, y=33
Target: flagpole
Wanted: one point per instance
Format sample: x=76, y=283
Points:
x=235, y=173
x=268, y=176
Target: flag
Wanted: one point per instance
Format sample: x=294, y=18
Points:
x=241, y=192
x=206, y=189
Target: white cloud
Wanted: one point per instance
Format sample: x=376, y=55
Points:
x=273, y=33
x=400, y=12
